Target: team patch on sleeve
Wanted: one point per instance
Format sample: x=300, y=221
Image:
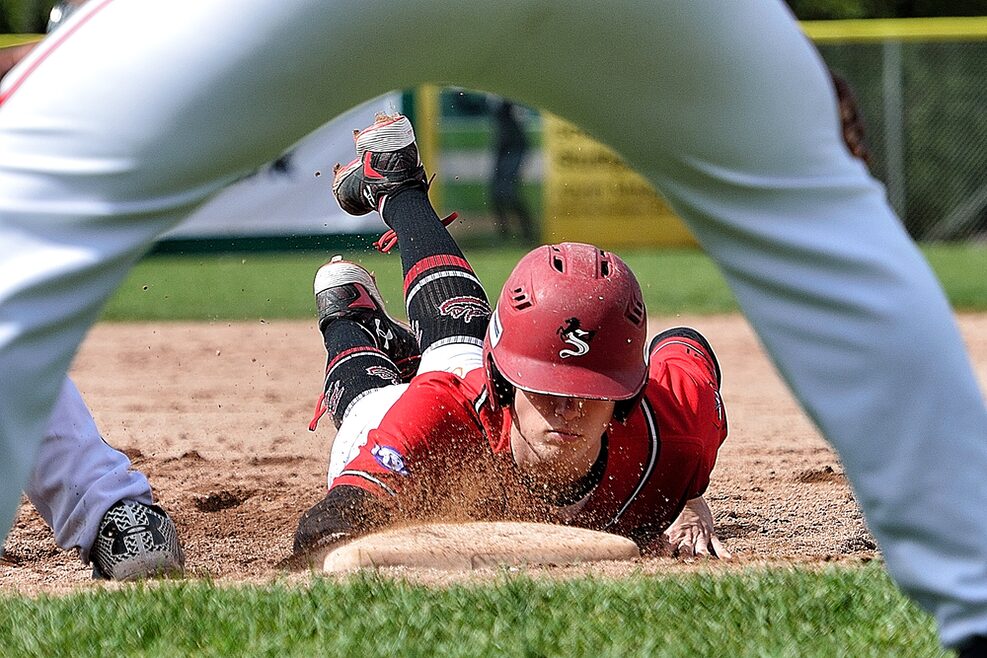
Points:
x=390, y=459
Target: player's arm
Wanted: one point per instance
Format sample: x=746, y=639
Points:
x=402, y=459
x=688, y=377
x=346, y=512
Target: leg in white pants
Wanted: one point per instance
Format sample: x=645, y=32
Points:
x=78, y=476
x=145, y=110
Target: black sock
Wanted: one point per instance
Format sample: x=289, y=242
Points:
x=420, y=231
x=445, y=301
x=355, y=367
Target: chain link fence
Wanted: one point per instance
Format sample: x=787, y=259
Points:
x=921, y=86
x=924, y=105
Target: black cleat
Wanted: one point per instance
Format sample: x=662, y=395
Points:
x=387, y=161
x=347, y=290
x=136, y=541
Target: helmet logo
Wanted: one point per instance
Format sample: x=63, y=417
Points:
x=576, y=337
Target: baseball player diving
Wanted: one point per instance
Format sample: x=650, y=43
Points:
x=544, y=409
x=724, y=106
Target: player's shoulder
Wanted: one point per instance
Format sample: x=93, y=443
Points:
x=683, y=401
x=468, y=384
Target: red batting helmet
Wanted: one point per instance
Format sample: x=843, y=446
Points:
x=570, y=321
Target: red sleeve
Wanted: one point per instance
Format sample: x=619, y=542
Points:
x=691, y=417
x=431, y=423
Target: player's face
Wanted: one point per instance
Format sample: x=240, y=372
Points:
x=557, y=438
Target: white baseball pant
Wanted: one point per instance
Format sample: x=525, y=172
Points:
x=112, y=133
x=78, y=476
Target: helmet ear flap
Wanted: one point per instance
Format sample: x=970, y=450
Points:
x=501, y=391
x=623, y=408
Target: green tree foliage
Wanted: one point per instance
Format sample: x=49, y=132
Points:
x=835, y=9
x=24, y=16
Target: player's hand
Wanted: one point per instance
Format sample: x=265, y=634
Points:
x=346, y=512
x=692, y=533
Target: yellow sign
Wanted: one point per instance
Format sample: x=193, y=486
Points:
x=591, y=196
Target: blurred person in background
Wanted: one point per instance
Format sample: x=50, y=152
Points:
x=510, y=144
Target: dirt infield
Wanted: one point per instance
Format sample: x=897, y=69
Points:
x=216, y=415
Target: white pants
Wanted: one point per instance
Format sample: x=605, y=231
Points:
x=78, y=476
x=366, y=413
x=151, y=106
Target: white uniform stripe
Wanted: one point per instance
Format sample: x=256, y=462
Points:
x=649, y=416
x=454, y=340
x=480, y=401
x=370, y=478
x=438, y=275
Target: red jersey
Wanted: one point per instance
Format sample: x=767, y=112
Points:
x=442, y=430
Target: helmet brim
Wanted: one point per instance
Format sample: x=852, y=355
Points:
x=569, y=380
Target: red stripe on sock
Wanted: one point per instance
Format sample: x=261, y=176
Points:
x=363, y=348
x=431, y=262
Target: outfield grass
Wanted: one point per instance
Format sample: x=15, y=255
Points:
x=271, y=286
x=766, y=612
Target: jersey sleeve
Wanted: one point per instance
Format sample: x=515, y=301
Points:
x=685, y=389
x=421, y=436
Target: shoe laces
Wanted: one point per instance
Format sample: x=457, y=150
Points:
x=321, y=407
x=387, y=241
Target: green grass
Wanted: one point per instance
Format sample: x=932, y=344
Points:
x=272, y=286
x=16, y=39
x=962, y=269
x=766, y=612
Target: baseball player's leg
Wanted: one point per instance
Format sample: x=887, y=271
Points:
x=830, y=280
x=346, y=511
x=363, y=379
x=355, y=367
x=445, y=301
x=78, y=477
x=730, y=120
x=160, y=117
x=80, y=484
